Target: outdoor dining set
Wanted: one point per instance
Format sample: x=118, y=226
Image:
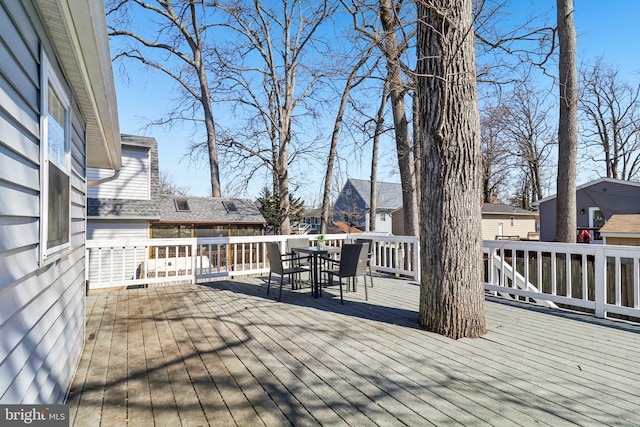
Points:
x=322, y=263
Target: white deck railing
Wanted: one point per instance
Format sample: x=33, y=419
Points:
x=601, y=279
x=119, y=263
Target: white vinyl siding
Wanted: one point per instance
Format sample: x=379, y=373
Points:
x=100, y=229
x=41, y=308
x=133, y=183
x=522, y=226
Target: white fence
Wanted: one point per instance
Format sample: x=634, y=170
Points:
x=600, y=279
x=128, y=262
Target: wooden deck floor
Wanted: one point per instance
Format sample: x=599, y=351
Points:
x=226, y=354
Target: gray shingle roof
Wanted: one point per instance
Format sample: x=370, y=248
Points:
x=122, y=209
x=491, y=208
x=209, y=210
x=389, y=193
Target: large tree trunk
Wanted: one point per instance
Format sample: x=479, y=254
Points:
x=417, y=154
x=333, y=149
x=373, y=195
x=451, y=291
x=282, y=171
x=406, y=163
x=331, y=159
x=568, y=126
x=212, y=147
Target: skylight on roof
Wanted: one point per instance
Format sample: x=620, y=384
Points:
x=182, y=205
x=230, y=206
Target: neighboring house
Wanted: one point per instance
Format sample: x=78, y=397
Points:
x=131, y=206
x=622, y=230
x=507, y=222
x=353, y=205
x=123, y=206
x=596, y=202
x=57, y=114
x=312, y=220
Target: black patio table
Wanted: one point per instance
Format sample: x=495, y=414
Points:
x=315, y=252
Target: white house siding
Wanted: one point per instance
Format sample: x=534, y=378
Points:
x=41, y=308
x=131, y=229
x=521, y=227
x=133, y=183
x=103, y=264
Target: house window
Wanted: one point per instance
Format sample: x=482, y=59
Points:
x=383, y=217
x=596, y=219
x=170, y=231
x=55, y=159
x=182, y=205
x=230, y=206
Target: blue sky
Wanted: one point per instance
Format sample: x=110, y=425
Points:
x=608, y=29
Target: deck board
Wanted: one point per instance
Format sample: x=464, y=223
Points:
x=225, y=353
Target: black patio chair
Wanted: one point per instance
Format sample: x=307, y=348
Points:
x=302, y=260
x=352, y=264
x=369, y=257
x=277, y=261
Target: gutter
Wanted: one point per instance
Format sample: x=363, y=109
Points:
x=103, y=180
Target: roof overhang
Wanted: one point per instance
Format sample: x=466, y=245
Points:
x=524, y=214
x=589, y=184
x=78, y=32
x=122, y=218
x=620, y=234
x=182, y=222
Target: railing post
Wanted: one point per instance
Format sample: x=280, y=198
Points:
x=416, y=259
x=600, y=282
x=194, y=263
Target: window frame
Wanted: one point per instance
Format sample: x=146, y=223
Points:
x=182, y=205
x=49, y=80
x=592, y=212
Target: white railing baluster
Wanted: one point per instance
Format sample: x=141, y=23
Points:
x=585, y=278
x=554, y=272
x=100, y=266
x=396, y=256
x=502, y=269
x=194, y=263
x=600, y=283
x=525, y=263
x=111, y=266
x=568, y=264
x=636, y=283
x=513, y=269
x=540, y=277
x=618, y=284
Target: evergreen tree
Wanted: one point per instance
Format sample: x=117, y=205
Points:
x=269, y=206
